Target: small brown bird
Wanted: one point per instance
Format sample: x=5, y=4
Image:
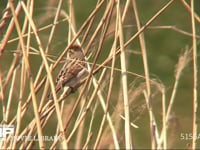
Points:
x=73, y=71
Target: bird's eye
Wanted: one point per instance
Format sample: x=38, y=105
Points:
x=71, y=51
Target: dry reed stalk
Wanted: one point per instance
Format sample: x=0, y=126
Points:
x=49, y=76
x=128, y=139
x=146, y=68
x=195, y=79
x=9, y=32
x=188, y=8
x=109, y=89
x=28, y=72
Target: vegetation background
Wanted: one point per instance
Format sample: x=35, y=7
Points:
x=158, y=63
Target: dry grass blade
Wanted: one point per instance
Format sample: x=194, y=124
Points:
x=29, y=74
x=195, y=79
x=124, y=81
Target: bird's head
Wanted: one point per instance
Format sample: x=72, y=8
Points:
x=75, y=51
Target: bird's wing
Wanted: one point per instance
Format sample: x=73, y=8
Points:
x=70, y=69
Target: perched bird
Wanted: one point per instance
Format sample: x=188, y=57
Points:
x=72, y=72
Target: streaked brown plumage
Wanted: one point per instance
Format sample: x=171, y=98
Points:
x=73, y=71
